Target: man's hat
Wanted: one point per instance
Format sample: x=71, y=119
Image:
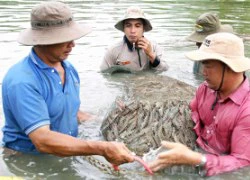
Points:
x=225, y=47
x=52, y=23
x=134, y=13
x=206, y=24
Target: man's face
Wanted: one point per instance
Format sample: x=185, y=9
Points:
x=133, y=29
x=212, y=73
x=57, y=52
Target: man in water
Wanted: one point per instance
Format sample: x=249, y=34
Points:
x=134, y=52
x=41, y=93
x=220, y=110
x=206, y=24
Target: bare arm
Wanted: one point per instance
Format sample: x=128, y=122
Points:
x=84, y=116
x=177, y=154
x=47, y=141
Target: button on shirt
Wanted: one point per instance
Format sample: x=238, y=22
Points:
x=225, y=131
x=33, y=96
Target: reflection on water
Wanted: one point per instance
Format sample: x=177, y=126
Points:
x=38, y=167
x=172, y=21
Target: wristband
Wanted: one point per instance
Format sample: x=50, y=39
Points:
x=200, y=167
x=156, y=62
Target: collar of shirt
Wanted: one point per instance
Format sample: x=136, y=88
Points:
x=239, y=94
x=36, y=60
x=130, y=45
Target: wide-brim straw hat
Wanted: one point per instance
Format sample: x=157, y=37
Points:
x=225, y=47
x=206, y=24
x=52, y=23
x=134, y=13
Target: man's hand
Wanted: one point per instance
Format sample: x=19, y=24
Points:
x=117, y=153
x=146, y=46
x=177, y=154
x=83, y=116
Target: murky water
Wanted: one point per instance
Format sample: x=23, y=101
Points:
x=172, y=21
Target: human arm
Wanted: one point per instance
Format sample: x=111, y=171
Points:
x=51, y=142
x=236, y=156
x=232, y=134
x=84, y=116
x=176, y=154
x=239, y=155
x=154, y=53
x=30, y=111
x=146, y=45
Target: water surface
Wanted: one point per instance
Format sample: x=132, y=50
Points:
x=172, y=21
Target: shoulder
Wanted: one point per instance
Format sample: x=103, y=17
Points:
x=200, y=93
x=243, y=115
x=202, y=88
x=116, y=46
x=114, y=50
x=21, y=71
x=245, y=106
x=204, y=93
x=20, y=79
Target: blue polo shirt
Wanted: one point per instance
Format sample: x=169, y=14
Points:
x=33, y=96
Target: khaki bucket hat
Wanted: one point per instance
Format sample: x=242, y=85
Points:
x=134, y=13
x=225, y=47
x=52, y=23
x=206, y=24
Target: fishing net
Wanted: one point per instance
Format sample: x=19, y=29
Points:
x=142, y=125
x=154, y=110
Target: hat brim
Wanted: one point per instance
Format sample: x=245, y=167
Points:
x=56, y=35
x=237, y=64
x=199, y=37
x=147, y=26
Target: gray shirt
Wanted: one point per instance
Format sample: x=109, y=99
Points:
x=133, y=59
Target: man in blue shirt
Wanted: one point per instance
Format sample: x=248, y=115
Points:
x=41, y=93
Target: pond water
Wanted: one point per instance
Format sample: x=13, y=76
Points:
x=172, y=21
